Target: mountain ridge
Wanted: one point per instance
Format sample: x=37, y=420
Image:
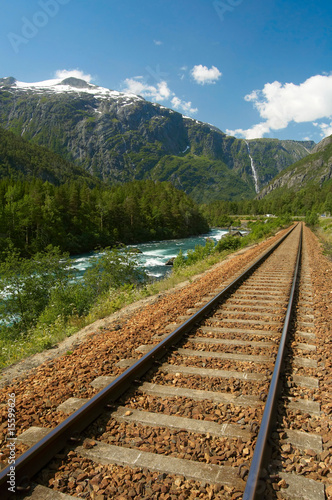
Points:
x=316, y=168
x=120, y=137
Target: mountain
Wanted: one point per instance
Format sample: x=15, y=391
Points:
x=20, y=159
x=120, y=137
x=314, y=169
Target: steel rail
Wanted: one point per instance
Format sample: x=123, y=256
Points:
x=31, y=461
x=252, y=489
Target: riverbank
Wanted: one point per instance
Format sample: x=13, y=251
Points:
x=113, y=313
x=159, y=292
x=46, y=336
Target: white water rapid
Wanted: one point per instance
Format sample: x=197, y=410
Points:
x=254, y=172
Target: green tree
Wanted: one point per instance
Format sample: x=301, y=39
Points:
x=179, y=261
x=311, y=218
x=27, y=284
x=228, y=242
x=111, y=270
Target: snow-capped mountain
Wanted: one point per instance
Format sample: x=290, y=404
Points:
x=71, y=84
x=120, y=137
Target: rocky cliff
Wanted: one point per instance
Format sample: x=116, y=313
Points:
x=315, y=168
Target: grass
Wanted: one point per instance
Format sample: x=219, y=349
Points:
x=47, y=336
x=324, y=233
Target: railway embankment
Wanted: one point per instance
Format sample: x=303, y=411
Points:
x=239, y=343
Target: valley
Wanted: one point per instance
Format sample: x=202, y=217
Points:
x=118, y=137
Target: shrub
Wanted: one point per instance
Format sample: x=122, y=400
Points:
x=200, y=252
x=228, y=242
x=311, y=218
x=179, y=261
x=41, y=290
x=26, y=286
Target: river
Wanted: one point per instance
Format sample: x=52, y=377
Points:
x=156, y=253
x=153, y=257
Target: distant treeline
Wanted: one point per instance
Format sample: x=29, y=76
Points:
x=78, y=218
x=312, y=199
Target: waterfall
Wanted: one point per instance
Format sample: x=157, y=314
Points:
x=254, y=172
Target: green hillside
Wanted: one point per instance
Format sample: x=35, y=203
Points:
x=120, y=138
x=314, y=169
x=20, y=159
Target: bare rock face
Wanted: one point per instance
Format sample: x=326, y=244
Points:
x=7, y=82
x=76, y=82
x=315, y=167
x=322, y=144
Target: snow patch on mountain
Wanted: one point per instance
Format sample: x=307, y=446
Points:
x=58, y=85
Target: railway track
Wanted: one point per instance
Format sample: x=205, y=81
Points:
x=213, y=408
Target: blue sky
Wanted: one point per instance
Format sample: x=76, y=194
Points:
x=253, y=68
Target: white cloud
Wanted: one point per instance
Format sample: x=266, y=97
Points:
x=184, y=106
x=326, y=128
x=157, y=42
x=176, y=102
x=202, y=74
x=280, y=104
x=75, y=73
x=253, y=133
x=159, y=92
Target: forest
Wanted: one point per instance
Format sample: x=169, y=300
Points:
x=78, y=218
x=45, y=200
x=312, y=199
